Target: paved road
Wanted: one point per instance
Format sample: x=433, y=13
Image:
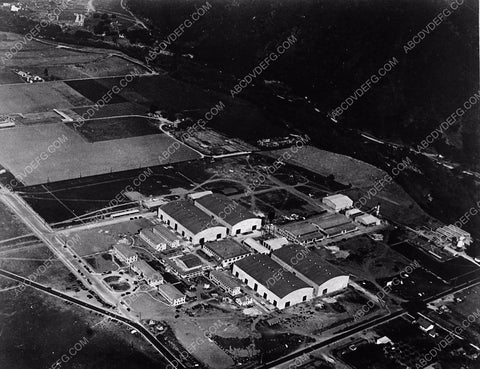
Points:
x=56, y=244
x=365, y=325
x=164, y=351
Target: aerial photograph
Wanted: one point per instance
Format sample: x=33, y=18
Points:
x=239, y=184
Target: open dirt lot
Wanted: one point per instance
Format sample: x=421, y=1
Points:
x=116, y=128
x=61, y=62
x=66, y=163
x=395, y=203
x=100, y=239
x=10, y=224
x=38, y=97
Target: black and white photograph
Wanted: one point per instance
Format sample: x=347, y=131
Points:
x=239, y=184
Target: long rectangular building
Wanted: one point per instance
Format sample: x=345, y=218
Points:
x=125, y=253
x=143, y=269
x=226, y=251
x=171, y=294
x=271, y=281
x=226, y=282
x=152, y=239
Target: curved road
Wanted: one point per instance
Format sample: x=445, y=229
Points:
x=140, y=328
x=365, y=325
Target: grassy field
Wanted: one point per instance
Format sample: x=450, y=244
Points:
x=395, y=203
x=99, y=240
x=38, y=97
x=237, y=119
x=112, y=110
x=61, y=63
x=55, y=202
x=37, y=329
x=115, y=128
x=66, y=163
x=10, y=225
x=287, y=203
x=78, y=65
x=37, y=260
x=368, y=259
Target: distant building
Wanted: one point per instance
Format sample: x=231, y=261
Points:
x=152, y=240
x=169, y=238
x=197, y=195
x=338, y=202
x=190, y=261
x=255, y=245
x=229, y=213
x=153, y=203
x=316, y=228
x=226, y=282
x=425, y=325
x=275, y=243
x=226, y=251
x=124, y=253
x=332, y=225
x=244, y=301
x=143, y=269
x=368, y=220
x=191, y=222
x=185, y=266
x=455, y=235
x=171, y=294
x=302, y=232
x=351, y=213
x=311, y=268
x=269, y=279
x=383, y=341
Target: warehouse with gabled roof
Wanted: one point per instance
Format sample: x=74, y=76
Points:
x=311, y=268
x=338, y=202
x=229, y=213
x=271, y=281
x=192, y=223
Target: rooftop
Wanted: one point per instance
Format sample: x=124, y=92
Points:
x=339, y=199
x=225, y=279
x=308, y=263
x=163, y=232
x=146, y=269
x=262, y=268
x=329, y=220
x=125, y=250
x=191, y=261
x=276, y=243
x=171, y=291
x=349, y=227
x=367, y=218
x=152, y=236
x=227, y=248
x=300, y=228
x=218, y=204
x=254, y=244
x=187, y=214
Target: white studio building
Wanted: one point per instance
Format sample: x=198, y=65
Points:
x=228, y=213
x=267, y=278
x=145, y=271
x=312, y=269
x=338, y=202
x=190, y=222
x=124, y=253
x=171, y=294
